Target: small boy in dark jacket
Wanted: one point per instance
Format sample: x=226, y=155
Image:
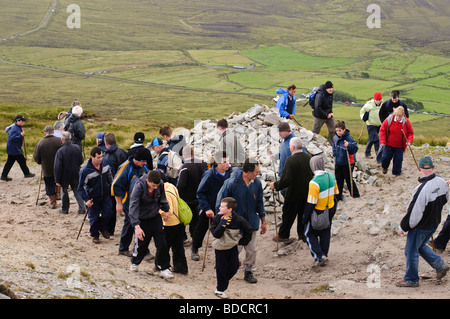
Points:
x=344, y=150
x=229, y=230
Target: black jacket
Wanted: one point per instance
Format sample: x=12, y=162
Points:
x=389, y=106
x=323, y=103
x=143, y=205
x=189, y=178
x=116, y=156
x=68, y=160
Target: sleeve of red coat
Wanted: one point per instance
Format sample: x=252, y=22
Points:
x=410, y=131
x=383, y=131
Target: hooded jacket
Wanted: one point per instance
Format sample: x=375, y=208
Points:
x=79, y=132
x=250, y=203
x=374, y=110
x=340, y=151
x=323, y=103
x=116, y=156
x=284, y=107
x=145, y=206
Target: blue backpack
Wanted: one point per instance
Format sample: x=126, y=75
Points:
x=312, y=97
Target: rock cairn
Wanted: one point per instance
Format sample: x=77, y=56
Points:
x=257, y=130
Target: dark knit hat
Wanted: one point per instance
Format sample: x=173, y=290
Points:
x=141, y=155
x=328, y=85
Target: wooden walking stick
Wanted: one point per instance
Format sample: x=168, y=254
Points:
x=350, y=171
x=409, y=146
x=39, y=190
x=87, y=211
x=362, y=129
x=295, y=120
x=206, y=246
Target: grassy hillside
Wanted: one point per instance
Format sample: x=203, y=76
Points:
x=148, y=63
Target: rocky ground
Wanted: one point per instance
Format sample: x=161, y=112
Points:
x=42, y=259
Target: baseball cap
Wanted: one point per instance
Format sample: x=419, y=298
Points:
x=139, y=137
x=157, y=141
x=20, y=118
x=426, y=162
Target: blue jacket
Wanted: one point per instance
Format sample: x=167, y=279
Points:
x=282, y=103
x=124, y=180
x=250, y=201
x=339, y=149
x=95, y=184
x=285, y=152
x=209, y=187
x=15, y=140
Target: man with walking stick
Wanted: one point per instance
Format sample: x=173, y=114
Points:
x=16, y=137
x=295, y=178
x=44, y=154
x=94, y=187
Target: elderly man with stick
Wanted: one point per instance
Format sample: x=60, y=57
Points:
x=422, y=218
x=44, y=154
x=295, y=178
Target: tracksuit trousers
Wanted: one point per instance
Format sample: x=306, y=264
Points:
x=153, y=228
x=227, y=264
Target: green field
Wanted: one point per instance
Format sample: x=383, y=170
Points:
x=141, y=64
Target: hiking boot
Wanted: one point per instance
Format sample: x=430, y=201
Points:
x=29, y=175
x=441, y=273
x=280, y=239
x=221, y=294
x=248, y=277
x=65, y=212
x=95, y=240
x=194, y=254
x=385, y=170
x=166, y=274
x=105, y=234
x=52, y=201
x=403, y=283
x=125, y=253
x=134, y=267
x=6, y=178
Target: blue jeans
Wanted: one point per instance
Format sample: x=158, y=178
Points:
x=416, y=244
x=395, y=153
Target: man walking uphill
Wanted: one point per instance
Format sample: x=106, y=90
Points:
x=323, y=110
x=94, y=188
x=68, y=160
x=245, y=187
x=44, y=154
x=14, y=149
x=423, y=216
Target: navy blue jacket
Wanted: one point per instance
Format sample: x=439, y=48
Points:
x=15, y=140
x=209, y=187
x=95, y=184
x=339, y=149
x=250, y=202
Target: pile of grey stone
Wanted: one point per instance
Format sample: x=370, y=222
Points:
x=257, y=131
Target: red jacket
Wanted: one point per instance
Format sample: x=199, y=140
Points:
x=391, y=132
